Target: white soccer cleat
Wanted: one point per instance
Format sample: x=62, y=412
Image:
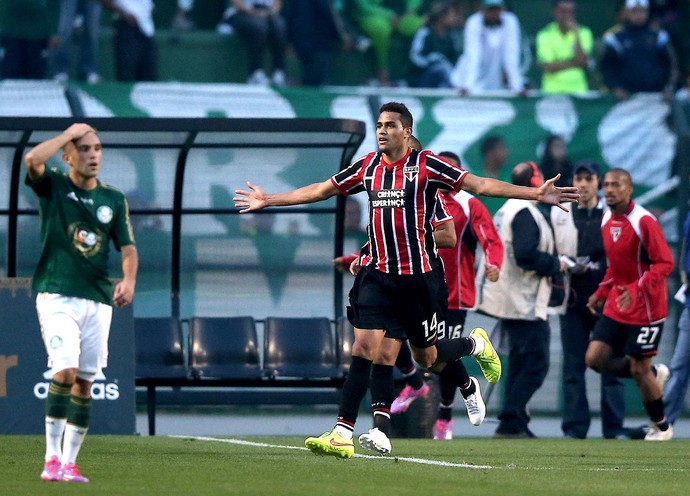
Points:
x=476, y=409
x=656, y=434
x=375, y=440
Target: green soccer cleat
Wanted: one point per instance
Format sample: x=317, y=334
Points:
x=331, y=443
x=488, y=360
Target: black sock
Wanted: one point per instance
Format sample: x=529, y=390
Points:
x=445, y=412
x=455, y=375
x=452, y=349
x=655, y=410
x=382, y=394
x=404, y=362
x=354, y=389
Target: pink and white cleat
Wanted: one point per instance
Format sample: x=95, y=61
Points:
x=407, y=396
x=51, y=470
x=443, y=429
x=70, y=473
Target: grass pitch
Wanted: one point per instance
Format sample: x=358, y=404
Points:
x=276, y=466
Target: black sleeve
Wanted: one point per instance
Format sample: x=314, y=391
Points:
x=525, y=244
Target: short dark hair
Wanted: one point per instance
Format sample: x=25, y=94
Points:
x=622, y=172
x=452, y=156
x=489, y=143
x=400, y=108
x=522, y=174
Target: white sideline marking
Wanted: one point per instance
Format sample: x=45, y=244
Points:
x=421, y=461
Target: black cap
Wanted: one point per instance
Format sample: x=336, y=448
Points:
x=587, y=166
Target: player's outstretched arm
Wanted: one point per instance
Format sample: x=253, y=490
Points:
x=255, y=198
x=546, y=193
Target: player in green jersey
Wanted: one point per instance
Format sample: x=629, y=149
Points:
x=80, y=217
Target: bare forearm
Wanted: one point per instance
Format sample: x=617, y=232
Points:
x=36, y=158
x=307, y=194
x=487, y=186
x=130, y=264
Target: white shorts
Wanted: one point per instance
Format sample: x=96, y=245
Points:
x=75, y=333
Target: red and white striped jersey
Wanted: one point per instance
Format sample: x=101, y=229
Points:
x=402, y=196
x=639, y=259
x=473, y=225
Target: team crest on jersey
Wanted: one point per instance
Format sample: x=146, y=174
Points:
x=85, y=240
x=616, y=233
x=55, y=342
x=410, y=172
x=104, y=214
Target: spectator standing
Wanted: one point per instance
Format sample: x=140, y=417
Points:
x=80, y=217
x=90, y=12
x=633, y=295
x=555, y=160
x=26, y=27
x=638, y=57
x=519, y=299
x=136, y=53
x=578, y=237
x=315, y=31
x=261, y=25
x=182, y=21
x=436, y=47
x=491, y=52
x=677, y=386
x=380, y=23
x=563, y=51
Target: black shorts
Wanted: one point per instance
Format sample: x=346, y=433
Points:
x=628, y=339
x=452, y=325
x=405, y=306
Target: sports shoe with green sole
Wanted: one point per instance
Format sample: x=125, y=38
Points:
x=331, y=443
x=488, y=360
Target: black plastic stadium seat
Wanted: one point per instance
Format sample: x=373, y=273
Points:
x=300, y=348
x=159, y=350
x=224, y=348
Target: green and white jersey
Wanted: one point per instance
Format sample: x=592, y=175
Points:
x=76, y=229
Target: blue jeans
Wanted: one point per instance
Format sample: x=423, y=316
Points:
x=91, y=10
x=677, y=386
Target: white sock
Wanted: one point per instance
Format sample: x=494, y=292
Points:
x=343, y=432
x=55, y=427
x=478, y=346
x=74, y=437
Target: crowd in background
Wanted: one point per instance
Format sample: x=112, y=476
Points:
x=475, y=46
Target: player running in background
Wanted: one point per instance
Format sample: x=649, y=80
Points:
x=633, y=295
x=472, y=224
x=80, y=216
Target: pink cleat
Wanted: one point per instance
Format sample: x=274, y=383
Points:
x=407, y=396
x=443, y=429
x=51, y=470
x=70, y=473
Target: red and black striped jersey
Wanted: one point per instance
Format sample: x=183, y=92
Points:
x=402, y=197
